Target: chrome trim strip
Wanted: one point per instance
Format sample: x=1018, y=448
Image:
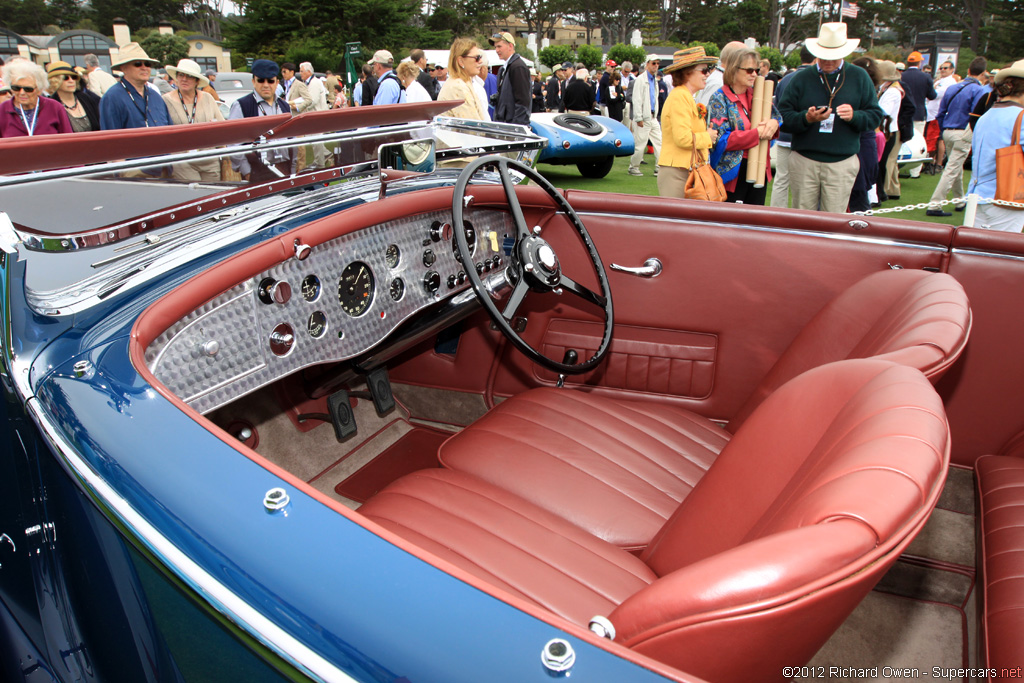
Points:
x=198, y=579
x=990, y=254
x=786, y=231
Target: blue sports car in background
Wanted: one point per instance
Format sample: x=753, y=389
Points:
x=590, y=142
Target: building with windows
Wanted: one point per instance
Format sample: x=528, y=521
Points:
x=563, y=33
x=72, y=46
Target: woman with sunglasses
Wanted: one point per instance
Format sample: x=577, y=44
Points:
x=27, y=113
x=82, y=106
x=464, y=59
x=729, y=112
x=188, y=104
x=685, y=135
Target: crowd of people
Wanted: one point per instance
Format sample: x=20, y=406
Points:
x=835, y=126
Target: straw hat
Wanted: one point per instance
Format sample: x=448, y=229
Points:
x=132, y=52
x=60, y=69
x=691, y=56
x=189, y=68
x=832, y=42
x=1016, y=70
x=888, y=71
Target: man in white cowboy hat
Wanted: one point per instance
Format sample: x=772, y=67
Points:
x=646, y=106
x=826, y=108
x=133, y=103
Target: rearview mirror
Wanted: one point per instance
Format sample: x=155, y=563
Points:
x=402, y=159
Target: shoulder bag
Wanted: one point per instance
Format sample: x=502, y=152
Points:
x=1010, y=169
x=703, y=181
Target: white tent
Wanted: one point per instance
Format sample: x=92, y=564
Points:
x=441, y=57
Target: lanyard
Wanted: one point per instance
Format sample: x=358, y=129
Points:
x=31, y=128
x=840, y=79
x=195, y=101
x=144, y=110
x=739, y=103
x=261, y=105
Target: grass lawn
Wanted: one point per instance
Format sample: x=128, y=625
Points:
x=913, y=190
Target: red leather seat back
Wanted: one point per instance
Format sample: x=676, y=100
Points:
x=911, y=317
x=800, y=515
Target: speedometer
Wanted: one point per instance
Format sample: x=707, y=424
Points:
x=355, y=288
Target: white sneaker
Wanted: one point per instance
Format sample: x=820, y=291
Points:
x=635, y=171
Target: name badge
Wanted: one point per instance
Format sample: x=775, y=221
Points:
x=827, y=125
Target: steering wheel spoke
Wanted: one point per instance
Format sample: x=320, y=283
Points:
x=583, y=292
x=534, y=265
x=515, y=300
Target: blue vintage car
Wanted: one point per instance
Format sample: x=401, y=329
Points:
x=589, y=142
x=382, y=421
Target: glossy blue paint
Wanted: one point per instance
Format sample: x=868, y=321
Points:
x=582, y=147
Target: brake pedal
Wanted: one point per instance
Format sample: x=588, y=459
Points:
x=380, y=389
x=339, y=407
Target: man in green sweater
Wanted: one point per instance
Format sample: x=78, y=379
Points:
x=826, y=108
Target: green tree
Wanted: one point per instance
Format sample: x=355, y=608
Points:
x=311, y=50
x=555, y=54
x=138, y=13
x=25, y=16
x=165, y=48
x=772, y=55
x=66, y=13
x=591, y=56
x=709, y=48
x=621, y=52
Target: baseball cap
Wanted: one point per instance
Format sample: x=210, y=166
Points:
x=611, y=62
x=566, y=65
x=914, y=56
x=382, y=57
x=652, y=58
x=504, y=35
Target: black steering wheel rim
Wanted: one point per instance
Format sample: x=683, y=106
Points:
x=532, y=264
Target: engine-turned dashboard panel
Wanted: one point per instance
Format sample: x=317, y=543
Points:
x=338, y=302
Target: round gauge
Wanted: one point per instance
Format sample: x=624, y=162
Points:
x=470, y=240
x=311, y=288
x=355, y=288
x=392, y=256
x=397, y=289
x=317, y=324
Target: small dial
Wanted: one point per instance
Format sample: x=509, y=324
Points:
x=355, y=288
x=317, y=324
x=392, y=255
x=397, y=289
x=311, y=288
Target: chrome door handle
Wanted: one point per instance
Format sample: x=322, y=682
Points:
x=651, y=268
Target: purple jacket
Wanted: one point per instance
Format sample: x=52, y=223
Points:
x=50, y=119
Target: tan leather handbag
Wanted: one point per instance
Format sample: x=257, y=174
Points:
x=1010, y=169
x=703, y=181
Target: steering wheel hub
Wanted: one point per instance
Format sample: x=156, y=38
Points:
x=540, y=263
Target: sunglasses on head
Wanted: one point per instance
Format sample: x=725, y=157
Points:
x=23, y=88
x=266, y=80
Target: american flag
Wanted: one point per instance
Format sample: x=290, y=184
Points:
x=849, y=9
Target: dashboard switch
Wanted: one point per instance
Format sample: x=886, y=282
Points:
x=432, y=281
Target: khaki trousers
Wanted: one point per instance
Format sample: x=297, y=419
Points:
x=958, y=146
x=892, y=169
x=780, y=176
x=672, y=181
x=822, y=185
x=651, y=130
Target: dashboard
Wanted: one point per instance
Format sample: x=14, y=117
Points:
x=335, y=303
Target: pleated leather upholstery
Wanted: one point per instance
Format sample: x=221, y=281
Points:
x=615, y=468
x=800, y=515
x=1000, y=481
x=566, y=450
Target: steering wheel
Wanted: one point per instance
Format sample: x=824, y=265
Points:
x=532, y=263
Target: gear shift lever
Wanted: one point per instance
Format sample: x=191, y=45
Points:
x=569, y=358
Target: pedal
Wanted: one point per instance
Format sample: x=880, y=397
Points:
x=340, y=409
x=380, y=389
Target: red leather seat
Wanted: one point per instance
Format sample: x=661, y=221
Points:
x=806, y=507
x=1000, y=481
x=572, y=449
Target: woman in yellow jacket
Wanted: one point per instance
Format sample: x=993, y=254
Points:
x=683, y=125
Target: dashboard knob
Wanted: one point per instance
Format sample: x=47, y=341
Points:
x=273, y=291
x=282, y=339
x=210, y=347
x=432, y=281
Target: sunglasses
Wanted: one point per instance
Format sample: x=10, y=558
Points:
x=476, y=58
x=751, y=71
x=266, y=80
x=707, y=70
x=23, y=88
x=142, y=65
x=69, y=77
